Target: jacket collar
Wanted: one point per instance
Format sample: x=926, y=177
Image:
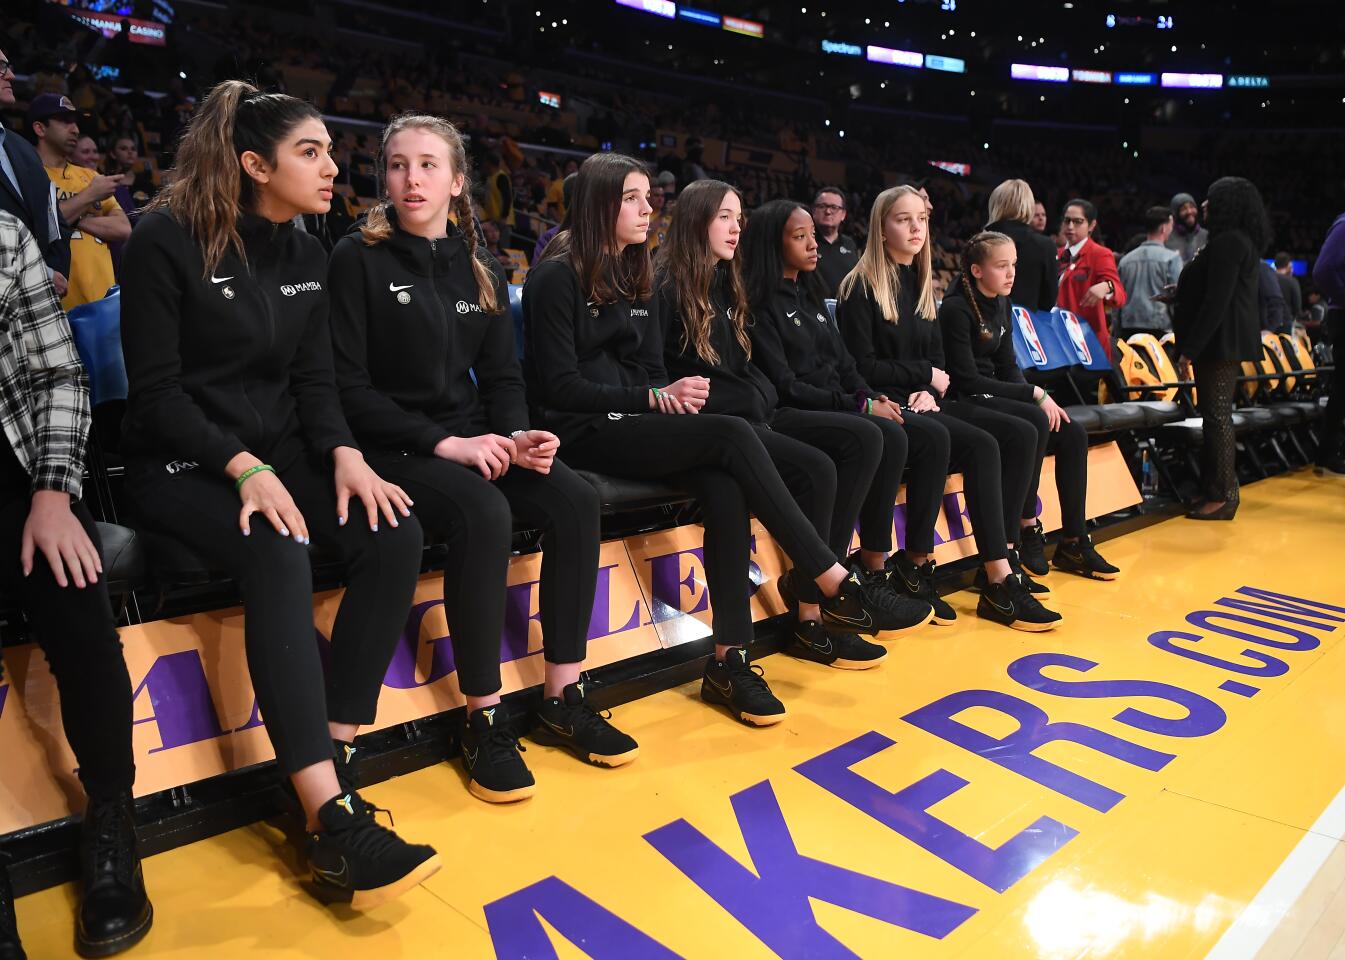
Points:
x=262, y=236
x=420, y=255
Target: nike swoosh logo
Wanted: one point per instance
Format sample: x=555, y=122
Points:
x=824, y=650
x=866, y=622
x=215, y=279
x=726, y=691
x=1007, y=611
x=911, y=585
x=563, y=731
x=471, y=756
x=339, y=878
x=394, y=288
x=790, y=313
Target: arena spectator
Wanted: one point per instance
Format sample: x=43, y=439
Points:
x=567, y=194
x=491, y=233
x=1289, y=286
x=499, y=201
x=837, y=254
x=27, y=192
x=54, y=569
x=1011, y=212
x=1188, y=236
x=1148, y=271
x=1275, y=315
x=1328, y=273
x=85, y=200
x=86, y=153
x=661, y=219
x=1088, y=278
x=1217, y=323
x=1039, y=217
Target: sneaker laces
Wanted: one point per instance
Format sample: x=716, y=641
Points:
x=366, y=835
x=926, y=574
x=584, y=718
x=501, y=745
x=749, y=675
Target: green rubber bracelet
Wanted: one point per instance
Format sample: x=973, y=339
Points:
x=868, y=406
x=259, y=468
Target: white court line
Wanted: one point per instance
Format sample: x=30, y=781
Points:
x=1253, y=927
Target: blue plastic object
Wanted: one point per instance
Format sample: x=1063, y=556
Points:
x=97, y=330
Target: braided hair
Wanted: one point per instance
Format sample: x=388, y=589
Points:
x=377, y=227
x=976, y=253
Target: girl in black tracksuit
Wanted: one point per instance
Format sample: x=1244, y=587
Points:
x=898, y=347
x=796, y=345
x=233, y=405
x=595, y=375
x=974, y=320
x=431, y=384
x=826, y=459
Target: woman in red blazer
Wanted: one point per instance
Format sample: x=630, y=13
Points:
x=1088, y=277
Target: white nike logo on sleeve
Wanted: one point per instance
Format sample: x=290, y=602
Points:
x=215, y=279
x=394, y=288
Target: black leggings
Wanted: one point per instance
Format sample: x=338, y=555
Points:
x=1216, y=381
x=75, y=629
x=1333, y=423
x=721, y=461
x=1069, y=444
x=477, y=518
x=1016, y=441
x=828, y=461
x=275, y=577
x=944, y=438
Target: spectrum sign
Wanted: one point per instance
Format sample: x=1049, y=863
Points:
x=842, y=49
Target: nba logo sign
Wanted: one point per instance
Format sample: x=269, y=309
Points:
x=1076, y=337
x=1029, y=332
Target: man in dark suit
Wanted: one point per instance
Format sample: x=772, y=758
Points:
x=27, y=192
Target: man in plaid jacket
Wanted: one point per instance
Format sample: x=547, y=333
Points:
x=51, y=567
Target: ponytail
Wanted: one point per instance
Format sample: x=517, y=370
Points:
x=377, y=226
x=207, y=189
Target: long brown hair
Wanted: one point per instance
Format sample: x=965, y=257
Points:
x=587, y=237
x=976, y=253
x=207, y=188
x=879, y=274
x=377, y=227
x=690, y=270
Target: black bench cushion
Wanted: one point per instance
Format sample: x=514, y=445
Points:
x=617, y=492
x=123, y=557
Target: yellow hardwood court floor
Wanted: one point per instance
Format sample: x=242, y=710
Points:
x=1162, y=777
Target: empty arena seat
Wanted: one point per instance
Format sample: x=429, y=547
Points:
x=1158, y=412
x=123, y=557
x=1108, y=417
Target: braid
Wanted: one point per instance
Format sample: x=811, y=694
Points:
x=485, y=279
x=984, y=332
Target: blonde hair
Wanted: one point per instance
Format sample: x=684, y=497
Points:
x=1012, y=200
x=377, y=227
x=878, y=273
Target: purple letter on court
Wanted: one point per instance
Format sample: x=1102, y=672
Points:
x=773, y=902
x=180, y=697
x=517, y=935
x=666, y=583
x=1015, y=751
x=1203, y=716
x=907, y=812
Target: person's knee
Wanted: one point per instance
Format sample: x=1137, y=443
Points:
x=274, y=560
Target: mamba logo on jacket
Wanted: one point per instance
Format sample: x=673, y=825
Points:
x=308, y=286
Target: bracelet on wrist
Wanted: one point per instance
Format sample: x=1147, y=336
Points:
x=1041, y=401
x=868, y=406
x=259, y=468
